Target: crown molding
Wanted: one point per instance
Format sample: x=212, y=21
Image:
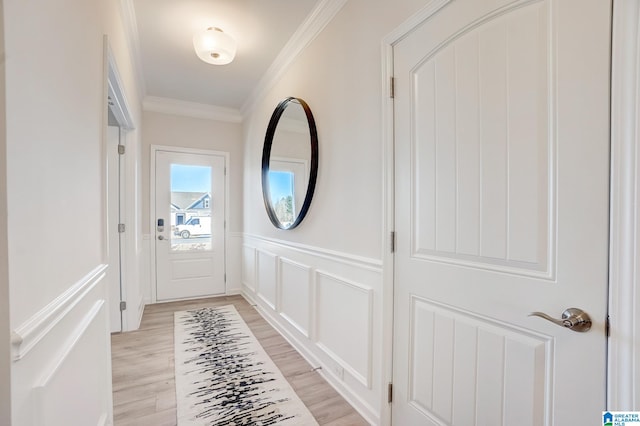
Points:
x=191, y=109
x=321, y=15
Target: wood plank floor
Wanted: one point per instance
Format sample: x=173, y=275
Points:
x=143, y=370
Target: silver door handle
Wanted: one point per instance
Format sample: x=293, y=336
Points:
x=572, y=318
x=161, y=237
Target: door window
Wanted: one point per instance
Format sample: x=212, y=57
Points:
x=191, y=195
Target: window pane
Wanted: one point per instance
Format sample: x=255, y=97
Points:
x=281, y=188
x=190, y=207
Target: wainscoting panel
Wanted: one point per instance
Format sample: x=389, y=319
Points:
x=295, y=295
x=345, y=334
x=268, y=278
x=234, y=263
x=461, y=360
x=328, y=306
x=249, y=267
x=65, y=350
x=53, y=390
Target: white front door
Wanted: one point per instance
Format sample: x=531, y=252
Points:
x=502, y=182
x=189, y=224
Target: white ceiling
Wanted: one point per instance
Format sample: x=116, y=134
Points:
x=170, y=67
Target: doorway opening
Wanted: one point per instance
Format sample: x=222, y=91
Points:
x=119, y=125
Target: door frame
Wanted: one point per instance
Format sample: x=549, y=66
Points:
x=152, y=203
x=116, y=100
x=623, y=389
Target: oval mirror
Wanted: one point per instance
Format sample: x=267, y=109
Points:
x=289, y=163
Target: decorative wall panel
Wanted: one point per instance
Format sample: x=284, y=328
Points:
x=249, y=267
x=295, y=291
x=344, y=323
x=267, y=277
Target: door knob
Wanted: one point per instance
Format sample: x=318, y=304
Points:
x=572, y=318
x=161, y=237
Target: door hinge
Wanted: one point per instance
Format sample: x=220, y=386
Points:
x=121, y=149
x=390, y=393
x=392, y=88
x=225, y=278
x=392, y=241
x=123, y=306
x=607, y=327
x=120, y=228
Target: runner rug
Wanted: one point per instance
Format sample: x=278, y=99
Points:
x=224, y=377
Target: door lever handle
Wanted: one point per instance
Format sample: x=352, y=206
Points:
x=572, y=318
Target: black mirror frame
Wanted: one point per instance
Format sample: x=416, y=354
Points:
x=266, y=154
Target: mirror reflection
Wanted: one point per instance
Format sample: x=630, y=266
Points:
x=289, y=163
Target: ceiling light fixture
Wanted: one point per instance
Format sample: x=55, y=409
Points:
x=214, y=46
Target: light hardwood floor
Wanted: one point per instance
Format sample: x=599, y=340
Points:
x=143, y=371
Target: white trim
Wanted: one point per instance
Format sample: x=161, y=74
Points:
x=388, y=226
x=624, y=298
x=118, y=101
x=128, y=14
x=367, y=263
x=71, y=343
x=410, y=24
x=28, y=334
x=102, y=421
x=127, y=213
x=191, y=109
x=319, y=17
x=152, y=205
x=388, y=196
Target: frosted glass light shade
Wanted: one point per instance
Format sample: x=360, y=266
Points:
x=214, y=46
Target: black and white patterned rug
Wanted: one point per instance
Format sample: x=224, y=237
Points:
x=225, y=378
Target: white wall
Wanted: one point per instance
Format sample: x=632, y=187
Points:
x=5, y=352
x=332, y=264
x=187, y=132
x=56, y=113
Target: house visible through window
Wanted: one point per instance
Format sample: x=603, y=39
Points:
x=190, y=207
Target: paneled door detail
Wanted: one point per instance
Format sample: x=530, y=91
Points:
x=501, y=139
x=189, y=225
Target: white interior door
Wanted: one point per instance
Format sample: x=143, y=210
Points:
x=502, y=172
x=189, y=228
x=114, y=192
